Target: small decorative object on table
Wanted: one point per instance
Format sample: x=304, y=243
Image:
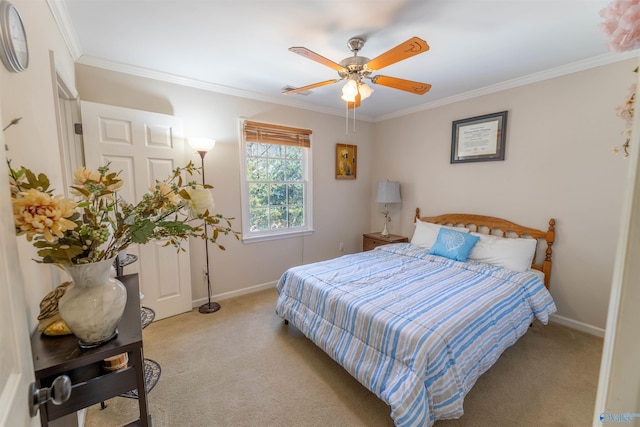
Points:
x=83, y=237
x=116, y=363
x=49, y=320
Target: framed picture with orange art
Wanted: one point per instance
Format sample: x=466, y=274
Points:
x=346, y=161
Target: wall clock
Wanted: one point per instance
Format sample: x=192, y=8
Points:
x=13, y=38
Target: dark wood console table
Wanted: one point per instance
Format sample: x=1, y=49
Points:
x=91, y=384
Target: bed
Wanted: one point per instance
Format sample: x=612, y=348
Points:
x=418, y=328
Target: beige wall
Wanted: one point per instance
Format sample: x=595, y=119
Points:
x=34, y=141
x=341, y=208
x=558, y=165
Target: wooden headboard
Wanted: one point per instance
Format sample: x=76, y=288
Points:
x=501, y=227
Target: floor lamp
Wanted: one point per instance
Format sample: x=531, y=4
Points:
x=202, y=146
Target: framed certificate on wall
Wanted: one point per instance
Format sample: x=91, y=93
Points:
x=479, y=139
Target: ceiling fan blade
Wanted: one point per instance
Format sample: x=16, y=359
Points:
x=355, y=104
x=405, y=50
x=303, y=88
x=406, y=85
x=318, y=58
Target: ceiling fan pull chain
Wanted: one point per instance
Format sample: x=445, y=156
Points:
x=346, y=118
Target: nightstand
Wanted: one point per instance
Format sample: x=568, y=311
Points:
x=373, y=240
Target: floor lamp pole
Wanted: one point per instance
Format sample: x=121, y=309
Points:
x=209, y=306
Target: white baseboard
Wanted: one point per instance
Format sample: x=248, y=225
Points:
x=574, y=324
x=227, y=295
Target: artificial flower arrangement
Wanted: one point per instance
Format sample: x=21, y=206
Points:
x=625, y=112
x=621, y=23
x=100, y=224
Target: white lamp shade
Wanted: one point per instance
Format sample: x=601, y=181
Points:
x=365, y=91
x=388, y=192
x=348, y=99
x=202, y=144
x=350, y=90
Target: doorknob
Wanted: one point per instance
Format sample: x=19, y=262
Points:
x=58, y=393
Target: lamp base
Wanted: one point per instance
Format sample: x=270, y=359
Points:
x=209, y=307
x=385, y=232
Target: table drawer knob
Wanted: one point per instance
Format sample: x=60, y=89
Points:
x=58, y=393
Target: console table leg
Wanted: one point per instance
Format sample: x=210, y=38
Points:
x=138, y=360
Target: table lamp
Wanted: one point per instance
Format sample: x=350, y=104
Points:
x=388, y=192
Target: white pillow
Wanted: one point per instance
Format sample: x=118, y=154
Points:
x=513, y=253
x=426, y=233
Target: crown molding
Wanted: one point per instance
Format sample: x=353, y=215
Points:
x=60, y=14
x=199, y=84
x=574, y=67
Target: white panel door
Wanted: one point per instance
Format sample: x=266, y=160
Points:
x=144, y=146
x=16, y=366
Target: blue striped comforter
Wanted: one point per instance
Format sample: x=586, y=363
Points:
x=415, y=329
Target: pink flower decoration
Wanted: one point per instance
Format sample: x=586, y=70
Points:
x=621, y=22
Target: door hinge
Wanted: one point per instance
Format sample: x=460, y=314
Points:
x=77, y=128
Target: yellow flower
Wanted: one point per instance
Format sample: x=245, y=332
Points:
x=115, y=185
x=200, y=200
x=166, y=192
x=36, y=212
x=82, y=175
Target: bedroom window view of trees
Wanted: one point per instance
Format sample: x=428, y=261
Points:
x=275, y=178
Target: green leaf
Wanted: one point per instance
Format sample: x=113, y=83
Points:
x=175, y=227
x=81, y=190
x=41, y=182
x=141, y=232
x=58, y=255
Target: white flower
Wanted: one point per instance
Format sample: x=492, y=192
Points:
x=199, y=201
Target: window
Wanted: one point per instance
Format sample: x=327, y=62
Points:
x=276, y=181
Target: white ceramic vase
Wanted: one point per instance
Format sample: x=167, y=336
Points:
x=93, y=306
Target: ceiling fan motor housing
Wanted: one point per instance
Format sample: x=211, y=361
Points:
x=354, y=65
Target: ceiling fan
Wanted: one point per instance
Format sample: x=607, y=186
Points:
x=356, y=68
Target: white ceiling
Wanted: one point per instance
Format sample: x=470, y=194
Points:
x=241, y=46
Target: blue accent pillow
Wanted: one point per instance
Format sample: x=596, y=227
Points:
x=453, y=244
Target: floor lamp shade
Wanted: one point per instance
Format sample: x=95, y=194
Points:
x=202, y=144
x=388, y=192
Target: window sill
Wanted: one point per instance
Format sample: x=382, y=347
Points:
x=275, y=236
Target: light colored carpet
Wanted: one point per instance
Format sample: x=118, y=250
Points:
x=241, y=366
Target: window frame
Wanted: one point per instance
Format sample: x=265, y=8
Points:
x=249, y=236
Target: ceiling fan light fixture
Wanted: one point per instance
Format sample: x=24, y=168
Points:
x=350, y=90
x=365, y=91
x=348, y=99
